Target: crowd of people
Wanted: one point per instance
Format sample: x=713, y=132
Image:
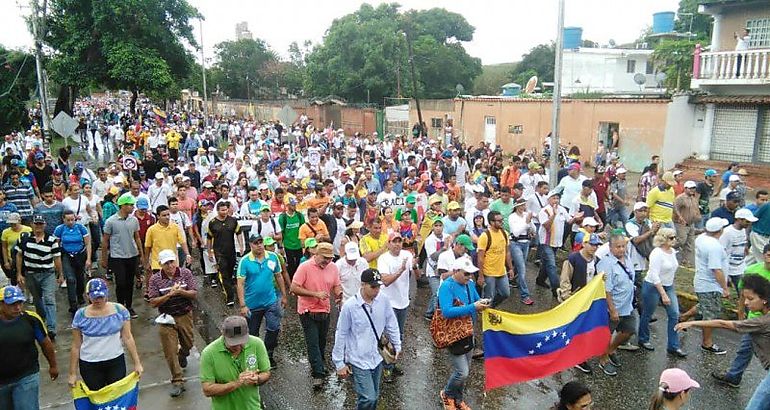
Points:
x=281, y=216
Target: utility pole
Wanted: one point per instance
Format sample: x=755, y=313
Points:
x=37, y=29
x=414, y=82
x=554, y=168
x=203, y=69
x=398, y=79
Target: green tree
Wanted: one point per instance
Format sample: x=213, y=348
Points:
x=17, y=85
x=492, y=77
x=136, y=45
x=538, y=61
x=243, y=64
x=675, y=57
x=689, y=20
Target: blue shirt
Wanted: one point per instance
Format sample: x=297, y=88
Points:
x=21, y=196
x=73, y=239
x=709, y=255
x=4, y=211
x=619, y=282
x=259, y=288
x=466, y=294
x=762, y=226
x=52, y=215
x=725, y=213
x=451, y=227
x=355, y=342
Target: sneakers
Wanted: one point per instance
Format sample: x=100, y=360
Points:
x=714, y=349
x=449, y=404
x=214, y=283
x=478, y=353
x=387, y=376
x=609, y=369
x=63, y=285
x=647, y=346
x=230, y=303
x=132, y=313
x=584, y=367
x=628, y=347
x=176, y=390
x=723, y=379
x=528, y=301
x=677, y=353
x=182, y=361
x=397, y=371
x=614, y=360
x=318, y=383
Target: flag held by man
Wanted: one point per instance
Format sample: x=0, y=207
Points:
x=518, y=348
x=121, y=395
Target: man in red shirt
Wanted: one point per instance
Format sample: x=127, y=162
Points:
x=276, y=204
x=601, y=186
x=207, y=192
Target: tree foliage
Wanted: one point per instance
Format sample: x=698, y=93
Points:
x=492, y=77
x=365, y=54
x=17, y=86
x=136, y=45
x=244, y=68
x=538, y=61
x=688, y=19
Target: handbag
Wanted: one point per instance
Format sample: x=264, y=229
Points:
x=456, y=331
x=384, y=346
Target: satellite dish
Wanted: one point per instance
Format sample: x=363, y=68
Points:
x=640, y=78
x=660, y=78
x=531, y=84
x=460, y=89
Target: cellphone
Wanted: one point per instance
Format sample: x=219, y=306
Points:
x=485, y=301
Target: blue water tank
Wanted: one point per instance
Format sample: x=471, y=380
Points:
x=573, y=37
x=511, y=90
x=663, y=22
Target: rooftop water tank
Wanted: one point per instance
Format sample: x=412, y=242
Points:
x=511, y=90
x=573, y=37
x=663, y=22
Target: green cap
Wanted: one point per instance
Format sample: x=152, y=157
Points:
x=268, y=241
x=411, y=199
x=311, y=242
x=126, y=199
x=264, y=207
x=466, y=241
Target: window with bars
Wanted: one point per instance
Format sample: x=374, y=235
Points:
x=759, y=33
x=436, y=122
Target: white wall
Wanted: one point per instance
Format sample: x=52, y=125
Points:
x=603, y=71
x=684, y=131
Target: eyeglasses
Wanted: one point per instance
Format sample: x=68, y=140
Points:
x=467, y=274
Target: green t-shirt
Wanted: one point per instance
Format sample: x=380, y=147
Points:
x=755, y=269
x=290, y=227
x=219, y=366
x=505, y=210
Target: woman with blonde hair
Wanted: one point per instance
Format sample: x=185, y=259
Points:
x=658, y=286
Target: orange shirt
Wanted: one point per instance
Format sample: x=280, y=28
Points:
x=510, y=176
x=453, y=192
x=305, y=231
x=318, y=203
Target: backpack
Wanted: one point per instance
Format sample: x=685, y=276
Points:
x=489, y=242
x=645, y=247
x=259, y=225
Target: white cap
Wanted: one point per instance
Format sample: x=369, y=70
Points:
x=590, y=221
x=678, y=171
x=185, y=178
x=464, y=264
x=351, y=251
x=639, y=205
x=158, y=175
x=212, y=149
x=263, y=186
x=118, y=180
x=166, y=255
x=746, y=214
x=716, y=224
x=478, y=188
x=734, y=178
x=690, y=184
x=621, y=171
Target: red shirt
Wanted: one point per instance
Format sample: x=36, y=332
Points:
x=210, y=195
x=144, y=223
x=277, y=207
x=600, y=188
x=311, y=277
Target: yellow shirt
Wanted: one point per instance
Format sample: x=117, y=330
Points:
x=661, y=204
x=369, y=244
x=159, y=238
x=10, y=237
x=172, y=139
x=494, y=258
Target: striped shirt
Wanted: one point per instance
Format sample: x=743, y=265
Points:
x=661, y=204
x=21, y=196
x=38, y=256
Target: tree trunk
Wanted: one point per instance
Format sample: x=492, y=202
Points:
x=134, y=97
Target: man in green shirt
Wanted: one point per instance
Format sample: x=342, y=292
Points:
x=504, y=205
x=290, y=222
x=743, y=355
x=233, y=366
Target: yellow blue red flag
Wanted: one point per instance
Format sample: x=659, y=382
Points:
x=160, y=116
x=518, y=348
x=121, y=395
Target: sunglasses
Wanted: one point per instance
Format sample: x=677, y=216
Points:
x=467, y=274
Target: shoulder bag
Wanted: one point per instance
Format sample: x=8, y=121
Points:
x=454, y=334
x=384, y=346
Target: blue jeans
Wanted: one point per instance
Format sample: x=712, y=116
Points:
x=461, y=367
x=650, y=299
x=760, y=400
x=21, y=394
x=42, y=286
x=617, y=217
x=401, y=319
x=433, y=282
x=519, y=253
x=548, y=256
x=496, y=288
x=742, y=359
x=367, y=386
x=272, y=316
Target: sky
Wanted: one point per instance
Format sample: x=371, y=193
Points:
x=505, y=29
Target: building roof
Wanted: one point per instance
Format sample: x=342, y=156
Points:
x=610, y=51
x=563, y=100
x=732, y=99
x=710, y=2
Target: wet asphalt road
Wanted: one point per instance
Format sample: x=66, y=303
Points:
x=426, y=368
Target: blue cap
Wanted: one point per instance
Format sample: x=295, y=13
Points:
x=13, y=294
x=142, y=203
x=79, y=165
x=14, y=162
x=733, y=196
x=39, y=155
x=594, y=240
x=710, y=172
x=446, y=154
x=97, y=288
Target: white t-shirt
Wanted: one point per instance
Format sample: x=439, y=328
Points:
x=182, y=221
x=79, y=207
x=158, y=195
x=398, y=291
x=734, y=241
x=265, y=229
x=387, y=199
x=432, y=245
x=350, y=276
x=554, y=236
x=446, y=259
x=662, y=268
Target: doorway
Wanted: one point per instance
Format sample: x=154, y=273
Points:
x=490, y=130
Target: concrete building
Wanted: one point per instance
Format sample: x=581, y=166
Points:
x=609, y=71
x=242, y=31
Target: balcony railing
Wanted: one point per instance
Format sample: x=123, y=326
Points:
x=731, y=67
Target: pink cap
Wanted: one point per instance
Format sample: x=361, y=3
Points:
x=676, y=380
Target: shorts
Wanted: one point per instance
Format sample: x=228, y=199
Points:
x=626, y=324
x=709, y=305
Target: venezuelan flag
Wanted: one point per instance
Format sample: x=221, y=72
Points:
x=160, y=116
x=121, y=395
x=518, y=348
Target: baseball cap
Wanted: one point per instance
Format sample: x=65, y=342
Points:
x=639, y=205
x=446, y=154
x=269, y=241
x=439, y=185
x=621, y=171
x=264, y=207
x=372, y=277
x=734, y=178
x=574, y=166
x=677, y=172
x=97, y=288
x=351, y=251
x=716, y=224
x=393, y=236
x=13, y=218
x=311, y=242
x=477, y=188
x=464, y=264
x=39, y=155
x=710, y=172
x=435, y=200
x=325, y=249
x=38, y=219
x=142, y=203
x=690, y=184
x=453, y=205
x=668, y=177
x=263, y=186
x=554, y=192
x=13, y=294
x=466, y=241
x=594, y=239
x=208, y=184
x=411, y=199
x=339, y=204
x=533, y=165
x=590, y=221
x=126, y=199
x=519, y=202
x=158, y=175
x=256, y=238
x=676, y=380
x=733, y=196
x=166, y=255
x=235, y=330
x=746, y=214
x=600, y=169
x=356, y=225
